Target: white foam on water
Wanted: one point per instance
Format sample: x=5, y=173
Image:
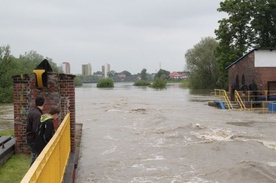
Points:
x=112, y=150
x=141, y=166
x=188, y=139
x=151, y=169
x=214, y=135
x=197, y=125
x=272, y=164
x=156, y=158
x=113, y=110
x=109, y=137
x=197, y=179
x=269, y=144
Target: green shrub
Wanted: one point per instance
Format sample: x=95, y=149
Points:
x=159, y=83
x=6, y=94
x=105, y=83
x=141, y=83
x=78, y=81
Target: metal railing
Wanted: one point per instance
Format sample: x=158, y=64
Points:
x=224, y=96
x=257, y=100
x=239, y=100
x=50, y=165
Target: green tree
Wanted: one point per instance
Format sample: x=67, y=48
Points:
x=128, y=74
x=144, y=79
x=78, y=80
x=249, y=24
x=144, y=75
x=7, y=70
x=98, y=73
x=163, y=74
x=30, y=60
x=112, y=74
x=202, y=64
x=9, y=66
x=264, y=23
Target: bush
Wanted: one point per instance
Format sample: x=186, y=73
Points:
x=105, y=83
x=78, y=81
x=141, y=83
x=6, y=94
x=159, y=83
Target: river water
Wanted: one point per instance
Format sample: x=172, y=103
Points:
x=133, y=135
x=142, y=135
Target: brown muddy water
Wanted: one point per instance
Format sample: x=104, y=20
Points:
x=142, y=135
x=133, y=135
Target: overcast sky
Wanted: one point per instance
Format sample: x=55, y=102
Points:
x=127, y=34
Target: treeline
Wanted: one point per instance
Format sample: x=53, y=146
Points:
x=10, y=66
x=249, y=24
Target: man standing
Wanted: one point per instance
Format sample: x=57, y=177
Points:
x=32, y=123
x=45, y=130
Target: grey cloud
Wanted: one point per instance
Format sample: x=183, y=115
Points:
x=120, y=32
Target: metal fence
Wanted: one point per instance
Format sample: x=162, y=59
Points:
x=50, y=165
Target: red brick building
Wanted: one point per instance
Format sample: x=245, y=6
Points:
x=179, y=75
x=256, y=70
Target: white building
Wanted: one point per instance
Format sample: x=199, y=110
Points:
x=65, y=67
x=86, y=70
x=105, y=70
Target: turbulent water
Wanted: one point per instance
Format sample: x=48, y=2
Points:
x=133, y=135
x=6, y=117
x=137, y=134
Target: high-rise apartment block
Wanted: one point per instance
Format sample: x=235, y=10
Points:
x=86, y=70
x=66, y=67
x=105, y=70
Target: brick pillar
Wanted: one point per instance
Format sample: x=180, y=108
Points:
x=59, y=92
x=67, y=92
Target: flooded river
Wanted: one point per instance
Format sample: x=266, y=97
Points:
x=133, y=135
x=141, y=135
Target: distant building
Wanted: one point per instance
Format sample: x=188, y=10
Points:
x=105, y=70
x=179, y=75
x=86, y=70
x=66, y=67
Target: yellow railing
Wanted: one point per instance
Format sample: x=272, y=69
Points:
x=50, y=165
x=261, y=106
x=223, y=95
x=239, y=100
x=257, y=100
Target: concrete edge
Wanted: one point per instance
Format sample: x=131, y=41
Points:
x=69, y=175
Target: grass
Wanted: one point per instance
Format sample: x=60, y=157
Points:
x=14, y=169
x=7, y=133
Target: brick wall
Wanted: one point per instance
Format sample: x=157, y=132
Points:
x=246, y=67
x=59, y=92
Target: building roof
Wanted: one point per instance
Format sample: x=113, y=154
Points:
x=233, y=63
x=254, y=49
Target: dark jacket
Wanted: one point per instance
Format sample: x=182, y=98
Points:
x=32, y=123
x=44, y=132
